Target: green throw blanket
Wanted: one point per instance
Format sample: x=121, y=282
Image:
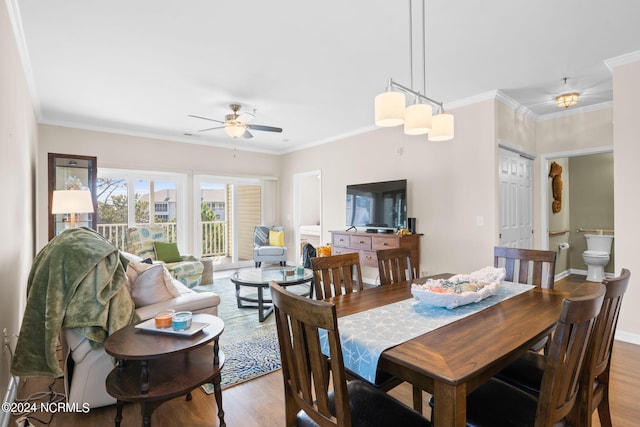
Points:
x=76, y=281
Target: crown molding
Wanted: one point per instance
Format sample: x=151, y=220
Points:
x=576, y=111
x=13, y=11
x=617, y=61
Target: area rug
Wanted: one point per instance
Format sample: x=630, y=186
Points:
x=250, y=347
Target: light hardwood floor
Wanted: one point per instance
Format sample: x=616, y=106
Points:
x=259, y=403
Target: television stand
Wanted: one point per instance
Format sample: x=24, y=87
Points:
x=368, y=242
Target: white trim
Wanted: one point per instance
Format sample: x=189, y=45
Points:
x=21, y=44
x=296, y=207
x=627, y=58
x=544, y=188
x=627, y=337
x=576, y=111
x=514, y=149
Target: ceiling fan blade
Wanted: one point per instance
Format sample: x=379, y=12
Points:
x=247, y=134
x=265, y=128
x=217, y=127
x=204, y=118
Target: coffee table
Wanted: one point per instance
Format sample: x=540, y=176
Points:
x=259, y=279
x=155, y=366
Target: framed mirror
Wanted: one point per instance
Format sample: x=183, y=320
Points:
x=71, y=172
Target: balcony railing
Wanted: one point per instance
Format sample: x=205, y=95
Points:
x=214, y=236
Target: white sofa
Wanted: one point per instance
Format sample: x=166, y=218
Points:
x=86, y=369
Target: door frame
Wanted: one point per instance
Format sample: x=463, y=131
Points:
x=296, y=206
x=545, y=160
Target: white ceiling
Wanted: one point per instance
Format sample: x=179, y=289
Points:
x=312, y=68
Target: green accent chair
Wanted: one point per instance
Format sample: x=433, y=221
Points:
x=140, y=242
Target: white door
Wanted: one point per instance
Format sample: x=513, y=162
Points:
x=516, y=200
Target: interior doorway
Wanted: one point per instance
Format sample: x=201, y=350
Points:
x=587, y=206
x=307, y=218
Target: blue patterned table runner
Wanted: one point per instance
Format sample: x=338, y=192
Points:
x=365, y=335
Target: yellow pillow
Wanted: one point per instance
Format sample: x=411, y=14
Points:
x=276, y=238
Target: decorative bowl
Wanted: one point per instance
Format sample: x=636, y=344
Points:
x=461, y=289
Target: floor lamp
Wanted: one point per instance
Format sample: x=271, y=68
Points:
x=71, y=202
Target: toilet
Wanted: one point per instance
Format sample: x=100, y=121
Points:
x=596, y=257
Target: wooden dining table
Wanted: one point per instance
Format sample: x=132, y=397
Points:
x=451, y=361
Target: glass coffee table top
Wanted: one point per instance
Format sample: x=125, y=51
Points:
x=257, y=280
x=280, y=275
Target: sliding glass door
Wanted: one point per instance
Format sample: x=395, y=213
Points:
x=229, y=210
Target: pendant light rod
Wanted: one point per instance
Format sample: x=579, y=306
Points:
x=392, y=84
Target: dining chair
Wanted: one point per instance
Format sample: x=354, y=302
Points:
x=394, y=265
x=532, y=266
x=317, y=392
x=527, y=371
x=334, y=275
x=497, y=403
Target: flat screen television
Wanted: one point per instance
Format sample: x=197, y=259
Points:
x=377, y=206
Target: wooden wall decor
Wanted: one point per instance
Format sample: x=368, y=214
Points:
x=556, y=185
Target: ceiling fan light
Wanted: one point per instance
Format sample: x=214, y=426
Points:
x=235, y=130
x=442, y=127
x=417, y=119
x=389, y=109
x=566, y=100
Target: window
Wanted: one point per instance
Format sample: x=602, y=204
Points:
x=157, y=200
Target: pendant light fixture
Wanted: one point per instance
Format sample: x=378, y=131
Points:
x=418, y=118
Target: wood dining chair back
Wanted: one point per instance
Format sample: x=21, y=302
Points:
x=394, y=265
x=336, y=275
x=315, y=386
x=496, y=401
x=533, y=266
x=595, y=385
x=527, y=371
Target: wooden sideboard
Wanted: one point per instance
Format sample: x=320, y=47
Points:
x=366, y=244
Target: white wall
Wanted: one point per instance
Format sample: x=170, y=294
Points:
x=18, y=144
x=626, y=131
x=449, y=184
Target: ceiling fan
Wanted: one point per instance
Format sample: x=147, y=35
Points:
x=236, y=125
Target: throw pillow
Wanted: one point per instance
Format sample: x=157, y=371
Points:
x=167, y=252
x=153, y=285
x=276, y=238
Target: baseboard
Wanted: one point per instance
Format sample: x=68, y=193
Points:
x=628, y=337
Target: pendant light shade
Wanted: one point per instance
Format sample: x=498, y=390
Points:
x=417, y=119
x=442, y=127
x=389, y=109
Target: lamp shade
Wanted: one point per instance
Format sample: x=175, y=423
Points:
x=417, y=119
x=389, y=109
x=442, y=127
x=71, y=201
x=235, y=130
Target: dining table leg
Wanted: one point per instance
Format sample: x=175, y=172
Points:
x=450, y=405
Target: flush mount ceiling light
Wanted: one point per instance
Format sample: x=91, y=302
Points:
x=566, y=100
x=418, y=118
